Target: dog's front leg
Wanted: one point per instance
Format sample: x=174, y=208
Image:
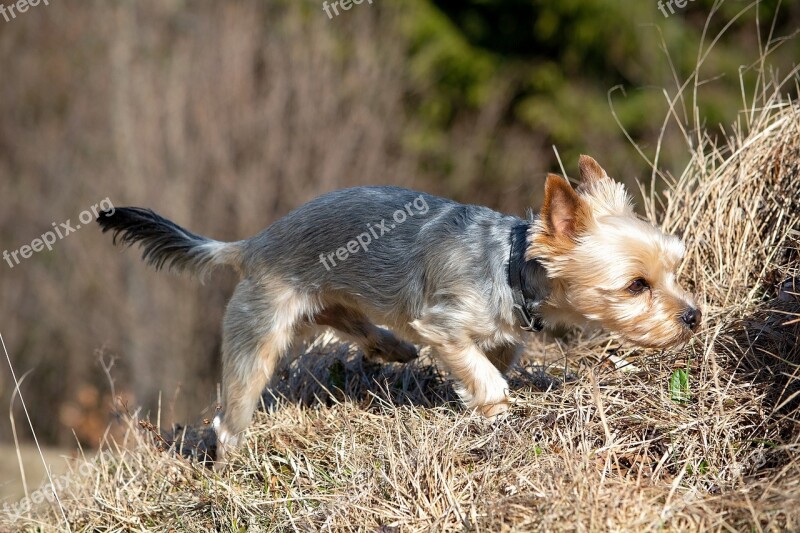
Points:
x=482, y=386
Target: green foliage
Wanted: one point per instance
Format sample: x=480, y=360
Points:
x=679, y=386
x=450, y=73
x=702, y=468
x=559, y=60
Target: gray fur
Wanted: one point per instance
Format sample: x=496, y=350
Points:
x=429, y=257
x=440, y=277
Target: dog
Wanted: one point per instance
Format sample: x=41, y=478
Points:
x=464, y=279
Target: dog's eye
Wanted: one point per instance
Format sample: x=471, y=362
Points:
x=638, y=286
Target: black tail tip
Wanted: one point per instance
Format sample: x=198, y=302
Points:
x=104, y=214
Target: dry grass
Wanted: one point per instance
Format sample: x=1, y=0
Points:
x=589, y=445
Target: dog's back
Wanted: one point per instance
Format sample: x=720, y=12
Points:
x=387, y=246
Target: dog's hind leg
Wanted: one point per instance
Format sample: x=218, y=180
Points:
x=503, y=356
x=258, y=330
x=377, y=343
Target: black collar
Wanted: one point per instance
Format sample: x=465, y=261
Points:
x=525, y=306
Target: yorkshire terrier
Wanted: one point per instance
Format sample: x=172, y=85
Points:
x=464, y=279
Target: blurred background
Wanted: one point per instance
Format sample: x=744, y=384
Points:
x=224, y=116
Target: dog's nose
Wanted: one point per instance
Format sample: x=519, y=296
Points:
x=691, y=317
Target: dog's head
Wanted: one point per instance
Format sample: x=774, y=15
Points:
x=609, y=266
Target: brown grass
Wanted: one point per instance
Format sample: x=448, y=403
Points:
x=596, y=440
x=590, y=445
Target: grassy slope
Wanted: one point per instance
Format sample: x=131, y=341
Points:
x=609, y=449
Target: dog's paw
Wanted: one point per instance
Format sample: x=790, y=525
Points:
x=495, y=411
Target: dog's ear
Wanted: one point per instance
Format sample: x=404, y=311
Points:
x=561, y=213
x=590, y=170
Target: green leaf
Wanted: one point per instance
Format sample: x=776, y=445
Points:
x=702, y=468
x=679, y=386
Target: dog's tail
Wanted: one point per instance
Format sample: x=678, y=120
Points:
x=164, y=243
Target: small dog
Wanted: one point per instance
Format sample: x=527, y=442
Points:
x=462, y=278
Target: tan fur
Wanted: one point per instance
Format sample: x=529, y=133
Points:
x=593, y=259
x=245, y=376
